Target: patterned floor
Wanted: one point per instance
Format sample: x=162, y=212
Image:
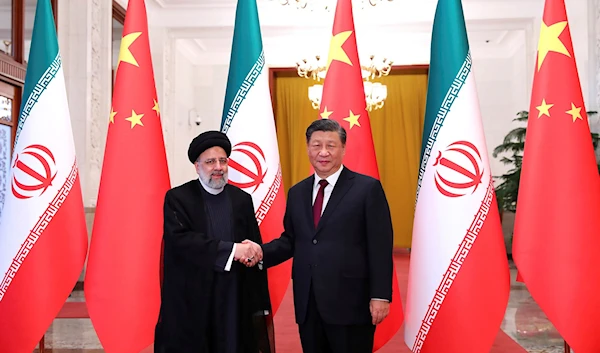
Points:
x=523, y=322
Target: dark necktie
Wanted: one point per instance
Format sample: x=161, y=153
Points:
x=318, y=206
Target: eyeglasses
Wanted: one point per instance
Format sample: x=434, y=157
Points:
x=213, y=161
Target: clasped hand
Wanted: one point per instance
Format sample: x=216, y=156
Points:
x=248, y=253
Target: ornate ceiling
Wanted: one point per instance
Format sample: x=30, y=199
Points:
x=400, y=30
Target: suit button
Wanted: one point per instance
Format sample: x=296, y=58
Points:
x=314, y=241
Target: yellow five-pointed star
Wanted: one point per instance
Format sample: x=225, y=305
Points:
x=544, y=109
x=549, y=41
x=112, y=115
x=156, y=108
x=353, y=120
x=136, y=119
x=125, y=53
x=335, y=48
x=326, y=114
x=575, y=112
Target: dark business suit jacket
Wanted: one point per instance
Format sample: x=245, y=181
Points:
x=191, y=256
x=347, y=259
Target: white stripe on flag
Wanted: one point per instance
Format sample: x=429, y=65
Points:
x=45, y=127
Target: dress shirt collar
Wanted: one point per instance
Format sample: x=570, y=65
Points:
x=331, y=180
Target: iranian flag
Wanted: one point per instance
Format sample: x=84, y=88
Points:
x=458, y=282
x=43, y=238
x=249, y=123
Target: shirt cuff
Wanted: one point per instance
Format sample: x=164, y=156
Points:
x=230, y=260
x=381, y=300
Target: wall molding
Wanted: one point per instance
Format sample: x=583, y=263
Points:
x=11, y=69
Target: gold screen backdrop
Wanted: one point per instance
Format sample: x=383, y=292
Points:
x=397, y=132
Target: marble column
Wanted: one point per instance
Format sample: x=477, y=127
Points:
x=101, y=90
x=85, y=36
x=593, y=103
x=162, y=48
x=594, y=52
x=85, y=41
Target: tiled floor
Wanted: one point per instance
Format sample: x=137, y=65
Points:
x=524, y=322
x=527, y=324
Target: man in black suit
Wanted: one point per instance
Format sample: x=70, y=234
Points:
x=210, y=303
x=338, y=229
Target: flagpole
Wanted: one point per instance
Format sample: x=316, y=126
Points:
x=567, y=348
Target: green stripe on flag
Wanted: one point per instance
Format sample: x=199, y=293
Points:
x=247, y=59
x=43, y=62
x=449, y=66
x=449, y=50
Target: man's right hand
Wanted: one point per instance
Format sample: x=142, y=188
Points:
x=248, y=253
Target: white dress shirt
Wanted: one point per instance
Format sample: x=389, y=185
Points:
x=215, y=192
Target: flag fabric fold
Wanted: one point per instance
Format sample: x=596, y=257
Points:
x=122, y=282
x=249, y=123
x=556, y=241
x=343, y=100
x=43, y=236
x=458, y=278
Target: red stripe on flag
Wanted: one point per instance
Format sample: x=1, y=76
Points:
x=47, y=275
x=269, y=215
x=473, y=293
x=391, y=324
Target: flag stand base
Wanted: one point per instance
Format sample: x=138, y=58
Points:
x=41, y=347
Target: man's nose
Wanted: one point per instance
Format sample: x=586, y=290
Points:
x=323, y=151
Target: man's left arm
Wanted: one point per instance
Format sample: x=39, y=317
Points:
x=380, y=243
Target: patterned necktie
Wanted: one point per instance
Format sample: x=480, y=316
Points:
x=318, y=206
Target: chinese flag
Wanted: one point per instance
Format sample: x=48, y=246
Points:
x=556, y=240
x=122, y=285
x=344, y=101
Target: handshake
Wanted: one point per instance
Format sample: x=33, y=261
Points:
x=248, y=253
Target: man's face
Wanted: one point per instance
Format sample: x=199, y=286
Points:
x=211, y=167
x=325, y=152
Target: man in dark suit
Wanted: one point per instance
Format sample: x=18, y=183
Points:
x=338, y=229
x=210, y=303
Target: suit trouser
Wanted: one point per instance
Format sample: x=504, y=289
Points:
x=317, y=336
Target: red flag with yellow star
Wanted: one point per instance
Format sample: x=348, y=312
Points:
x=556, y=237
x=122, y=286
x=344, y=101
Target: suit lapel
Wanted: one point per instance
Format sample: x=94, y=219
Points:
x=307, y=201
x=341, y=188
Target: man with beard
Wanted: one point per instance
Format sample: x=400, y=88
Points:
x=213, y=298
